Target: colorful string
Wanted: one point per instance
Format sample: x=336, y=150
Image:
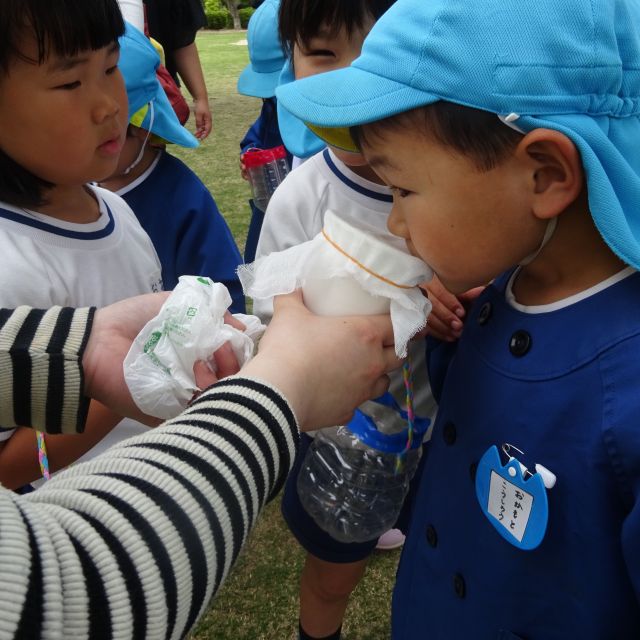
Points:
x=42, y=455
x=407, y=377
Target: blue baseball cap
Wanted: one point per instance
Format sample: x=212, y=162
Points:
x=260, y=77
x=568, y=65
x=296, y=135
x=138, y=64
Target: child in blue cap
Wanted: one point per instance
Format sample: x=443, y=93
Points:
x=172, y=204
x=320, y=36
x=509, y=133
x=259, y=79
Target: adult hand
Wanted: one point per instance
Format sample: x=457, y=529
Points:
x=114, y=329
x=224, y=360
x=324, y=366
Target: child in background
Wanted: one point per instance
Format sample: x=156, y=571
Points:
x=170, y=201
x=323, y=36
x=259, y=79
x=509, y=133
x=63, y=109
x=175, y=24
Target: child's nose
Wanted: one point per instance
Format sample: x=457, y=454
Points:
x=396, y=223
x=107, y=106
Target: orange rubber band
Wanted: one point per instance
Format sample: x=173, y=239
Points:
x=372, y=273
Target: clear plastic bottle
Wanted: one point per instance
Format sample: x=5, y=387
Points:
x=354, y=478
x=266, y=168
x=350, y=482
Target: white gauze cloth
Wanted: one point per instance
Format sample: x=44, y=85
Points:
x=341, y=250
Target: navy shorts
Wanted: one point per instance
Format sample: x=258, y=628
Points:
x=315, y=540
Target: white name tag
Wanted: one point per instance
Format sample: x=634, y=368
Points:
x=509, y=505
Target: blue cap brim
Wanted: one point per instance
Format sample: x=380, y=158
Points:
x=348, y=97
x=138, y=64
x=297, y=137
x=258, y=85
x=166, y=124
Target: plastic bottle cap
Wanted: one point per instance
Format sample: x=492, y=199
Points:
x=258, y=157
x=374, y=253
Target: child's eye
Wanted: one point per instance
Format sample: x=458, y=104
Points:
x=401, y=193
x=321, y=52
x=112, y=70
x=69, y=86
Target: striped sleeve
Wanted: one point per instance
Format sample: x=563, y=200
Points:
x=41, y=378
x=134, y=543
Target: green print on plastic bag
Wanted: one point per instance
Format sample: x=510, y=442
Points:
x=149, y=347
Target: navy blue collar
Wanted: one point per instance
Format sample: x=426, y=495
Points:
x=21, y=218
x=382, y=197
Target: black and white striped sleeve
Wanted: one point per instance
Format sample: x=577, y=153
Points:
x=134, y=543
x=41, y=378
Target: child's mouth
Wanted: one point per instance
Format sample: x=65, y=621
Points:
x=111, y=147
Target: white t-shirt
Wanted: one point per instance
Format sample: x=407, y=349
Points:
x=296, y=214
x=46, y=262
x=296, y=210
x=133, y=12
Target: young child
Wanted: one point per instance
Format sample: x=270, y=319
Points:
x=259, y=79
x=63, y=109
x=172, y=204
x=509, y=132
x=323, y=36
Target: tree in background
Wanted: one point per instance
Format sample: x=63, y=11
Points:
x=234, y=10
x=225, y=14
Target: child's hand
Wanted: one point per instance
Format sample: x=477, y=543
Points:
x=204, y=121
x=448, y=312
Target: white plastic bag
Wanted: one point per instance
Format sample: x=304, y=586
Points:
x=190, y=327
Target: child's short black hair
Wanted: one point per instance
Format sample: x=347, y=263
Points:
x=299, y=20
x=62, y=27
x=477, y=134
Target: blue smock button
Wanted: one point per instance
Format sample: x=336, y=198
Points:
x=459, y=586
x=520, y=343
x=432, y=535
x=449, y=433
x=485, y=313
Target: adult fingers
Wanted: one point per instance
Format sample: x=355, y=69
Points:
x=232, y=321
x=226, y=361
x=203, y=375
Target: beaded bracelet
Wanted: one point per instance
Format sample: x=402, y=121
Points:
x=42, y=455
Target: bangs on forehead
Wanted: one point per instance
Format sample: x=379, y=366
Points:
x=302, y=20
x=61, y=27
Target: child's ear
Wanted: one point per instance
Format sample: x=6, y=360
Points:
x=556, y=173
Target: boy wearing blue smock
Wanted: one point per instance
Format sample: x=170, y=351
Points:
x=509, y=133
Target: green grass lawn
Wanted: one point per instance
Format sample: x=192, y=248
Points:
x=259, y=600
